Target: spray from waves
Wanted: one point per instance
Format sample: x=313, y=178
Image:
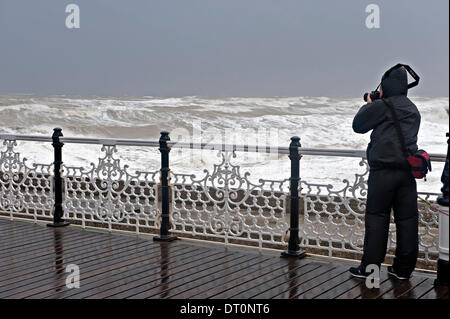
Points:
x=321, y=122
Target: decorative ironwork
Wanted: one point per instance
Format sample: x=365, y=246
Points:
x=24, y=190
x=109, y=194
x=225, y=204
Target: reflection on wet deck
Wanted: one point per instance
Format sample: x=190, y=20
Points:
x=33, y=261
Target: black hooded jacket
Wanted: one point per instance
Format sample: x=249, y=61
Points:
x=384, y=150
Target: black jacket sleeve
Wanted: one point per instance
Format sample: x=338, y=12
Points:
x=369, y=116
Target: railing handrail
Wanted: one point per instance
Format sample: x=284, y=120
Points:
x=208, y=146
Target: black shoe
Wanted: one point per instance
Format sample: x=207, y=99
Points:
x=358, y=272
x=392, y=272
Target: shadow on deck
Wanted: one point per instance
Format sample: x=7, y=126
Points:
x=33, y=261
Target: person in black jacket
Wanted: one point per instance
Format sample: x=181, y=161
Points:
x=391, y=184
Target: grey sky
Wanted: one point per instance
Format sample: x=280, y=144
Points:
x=220, y=48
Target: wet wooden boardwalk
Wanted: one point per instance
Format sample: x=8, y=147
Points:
x=33, y=261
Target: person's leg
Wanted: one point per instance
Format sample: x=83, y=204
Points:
x=407, y=226
x=381, y=190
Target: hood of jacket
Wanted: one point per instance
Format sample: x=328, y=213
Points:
x=395, y=83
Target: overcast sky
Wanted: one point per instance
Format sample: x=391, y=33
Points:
x=220, y=48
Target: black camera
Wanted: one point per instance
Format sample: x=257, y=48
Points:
x=374, y=95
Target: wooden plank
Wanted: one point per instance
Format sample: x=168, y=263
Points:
x=161, y=276
x=28, y=229
x=7, y=222
x=58, y=280
x=42, y=278
x=44, y=235
x=41, y=242
x=92, y=253
x=250, y=287
x=298, y=289
x=29, y=239
x=205, y=287
x=29, y=251
x=18, y=224
x=14, y=244
x=436, y=293
x=290, y=273
x=49, y=255
x=290, y=287
x=32, y=278
x=60, y=242
x=61, y=250
x=198, y=281
x=325, y=286
x=361, y=288
x=6, y=229
x=58, y=255
x=201, y=272
x=418, y=290
x=401, y=287
x=385, y=286
x=57, y=236
x=339, y=289
x=119, y=276
x=11, y=244
x=252, y=277
x=235, y=279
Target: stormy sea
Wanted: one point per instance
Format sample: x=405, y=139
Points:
x=320, y=122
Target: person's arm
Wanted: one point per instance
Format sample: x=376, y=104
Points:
x=369, y=116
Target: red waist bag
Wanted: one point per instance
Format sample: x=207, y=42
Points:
x=420, y=164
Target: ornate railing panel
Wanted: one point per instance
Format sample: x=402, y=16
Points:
x=110, y=195
x=428, y=230
x=24, y=190
x=225, y=204
x=333, y=220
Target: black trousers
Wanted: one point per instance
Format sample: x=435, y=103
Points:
x=391, y=189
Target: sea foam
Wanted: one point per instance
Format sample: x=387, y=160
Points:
x=321, y=122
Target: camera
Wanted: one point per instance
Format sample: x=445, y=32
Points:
x=374, y=95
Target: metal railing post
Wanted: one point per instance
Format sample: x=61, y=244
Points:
x=164, y=148
x=294, y=241
x=442, y=267
x=57, y=187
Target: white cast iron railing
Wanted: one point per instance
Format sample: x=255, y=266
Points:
x=222, y=204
